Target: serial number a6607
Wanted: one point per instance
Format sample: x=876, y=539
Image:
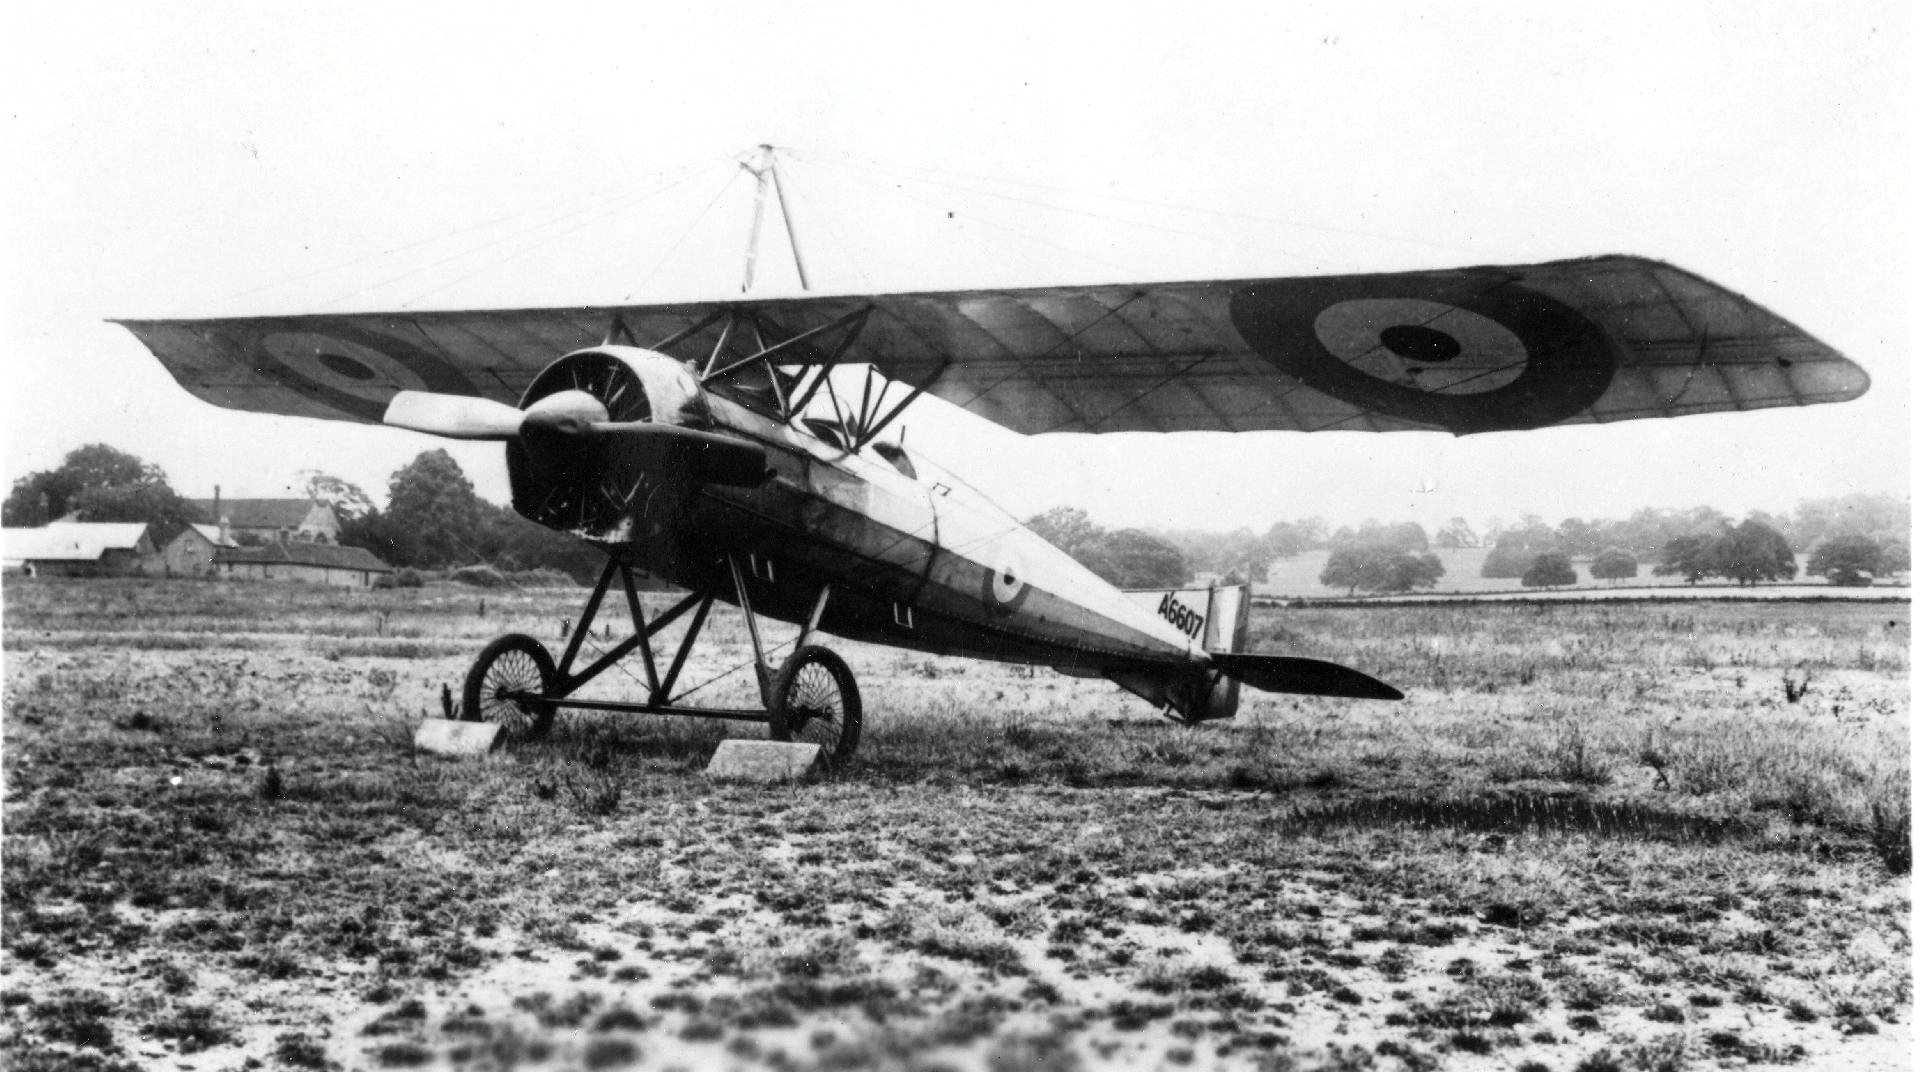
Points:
x=1183, y=617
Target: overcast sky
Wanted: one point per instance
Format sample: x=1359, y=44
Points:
x=225, y=159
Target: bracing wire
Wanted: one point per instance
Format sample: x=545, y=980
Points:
x=563, y=207
x=672, y=249
x=1067, y=209
x=1151, y=203
x=826, y=221
x=984, y=221
x=549, y=239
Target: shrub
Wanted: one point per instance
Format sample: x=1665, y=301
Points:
x=479, y=577
x=404, y=577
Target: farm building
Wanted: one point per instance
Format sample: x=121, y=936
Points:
x=81, y=549
x=261, y=521
x=191, y=553
x=311, y=563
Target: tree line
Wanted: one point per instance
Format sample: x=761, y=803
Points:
x=1850, y=539
x=434, y=520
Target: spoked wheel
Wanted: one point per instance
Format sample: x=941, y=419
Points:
x=499, y=688
x=816, y=701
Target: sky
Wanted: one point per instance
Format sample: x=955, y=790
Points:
x=243, y=158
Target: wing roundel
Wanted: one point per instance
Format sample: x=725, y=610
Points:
x=1465, y=352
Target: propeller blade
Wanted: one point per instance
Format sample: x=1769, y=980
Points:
x=1313, y=677
x=453, y=416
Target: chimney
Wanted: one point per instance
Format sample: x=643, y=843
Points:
x=220, y=519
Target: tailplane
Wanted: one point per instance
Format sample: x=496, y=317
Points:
x=1314, y=677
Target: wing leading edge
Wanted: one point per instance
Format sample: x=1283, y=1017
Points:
x=1461, y=350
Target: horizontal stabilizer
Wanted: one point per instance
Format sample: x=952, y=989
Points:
x=1313, y=677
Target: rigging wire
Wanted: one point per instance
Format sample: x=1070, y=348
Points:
x=556, y=206
x=1151, y=203
x=1070, y=210
x=826, y=220
x=732, y=177
x=590, y=221
x=896, y=191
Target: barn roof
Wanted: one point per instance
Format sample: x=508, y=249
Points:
x=72, y=541
x=331, y=556
x=212, y=533
x=257, y=513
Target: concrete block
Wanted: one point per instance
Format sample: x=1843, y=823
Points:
x=765, y=761
x=446, y=737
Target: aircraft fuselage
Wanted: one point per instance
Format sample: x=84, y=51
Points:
x=913, y=557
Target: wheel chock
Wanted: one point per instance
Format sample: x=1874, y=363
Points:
x=738, y=760
x=447, y=737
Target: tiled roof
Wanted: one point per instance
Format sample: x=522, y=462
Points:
x=297, y=553
x=212, y=533
x=257, y=513
x=71, y=541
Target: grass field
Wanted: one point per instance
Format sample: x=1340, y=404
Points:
x=1595, y=837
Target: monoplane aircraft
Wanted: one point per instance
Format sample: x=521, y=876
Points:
x=740, y=448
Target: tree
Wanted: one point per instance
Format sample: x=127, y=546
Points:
x=1346, y=568
x=99, y=483
x=1516, y=548
x=348, y=501
x=1131, y=558
x=1456, y=533
x=1380, y=569
x=1404, y=571
x=1289, y=538
x=1852, y=560
x=1578, y=537
x=1400, y=536
x=1614, y=564
x=432, y=513
x=1882, y=517
x=155, y=505
x=1692, y=557
x=1896, y=555
x=1065, y=527
x=1551, y=570
x=1755, y=552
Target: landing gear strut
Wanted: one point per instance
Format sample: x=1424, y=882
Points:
x=810, y=697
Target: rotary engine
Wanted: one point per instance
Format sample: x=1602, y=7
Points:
x=608, y=444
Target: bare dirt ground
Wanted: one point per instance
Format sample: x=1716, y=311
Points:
x=1626, y=837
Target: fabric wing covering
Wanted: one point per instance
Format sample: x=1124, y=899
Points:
x=1462, y=350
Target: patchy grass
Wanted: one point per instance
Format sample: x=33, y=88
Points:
x=1594, y=837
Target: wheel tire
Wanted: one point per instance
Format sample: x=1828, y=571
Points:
x=512, y=663
x=816, y=701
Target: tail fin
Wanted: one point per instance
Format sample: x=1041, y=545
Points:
x=1218, y=618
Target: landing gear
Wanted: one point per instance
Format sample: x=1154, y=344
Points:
x=812, y=697
x=507, y=685
x=816, y=701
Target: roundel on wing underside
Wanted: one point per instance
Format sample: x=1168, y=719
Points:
x=1467, y=353
x=351, y=369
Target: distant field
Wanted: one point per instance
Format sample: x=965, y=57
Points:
x=1640, y=836
x=1299, y=577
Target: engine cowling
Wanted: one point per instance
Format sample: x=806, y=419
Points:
x=608, y=488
